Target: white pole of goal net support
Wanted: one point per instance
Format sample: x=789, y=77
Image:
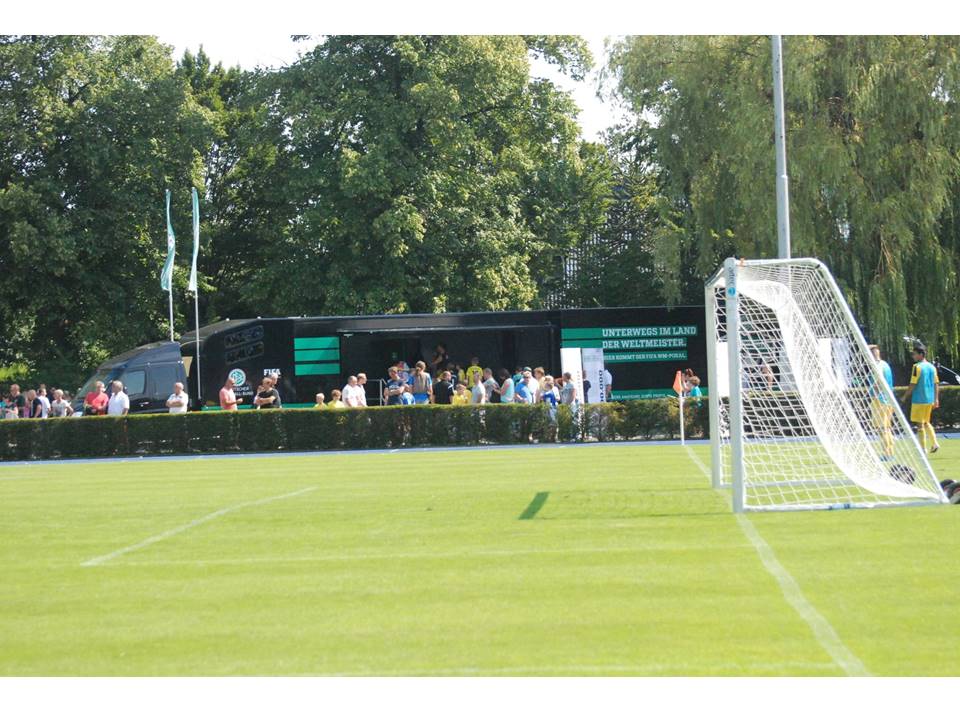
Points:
x=783, y=195
x=736, y=397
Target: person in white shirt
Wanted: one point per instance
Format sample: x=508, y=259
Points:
x=352, y=392
x=478, y=396
x=44, y=401
x=179, y=401
x=533, y=385
x=607, y=385
x=362, y=384
x=119, y=403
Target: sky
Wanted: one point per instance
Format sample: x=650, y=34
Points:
x=275, y=50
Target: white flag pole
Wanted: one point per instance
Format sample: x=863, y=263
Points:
x=195, y=286
x=171, y=312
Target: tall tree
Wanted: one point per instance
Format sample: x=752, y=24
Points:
x=873, y=138
x=94, y=130
x=424, y=174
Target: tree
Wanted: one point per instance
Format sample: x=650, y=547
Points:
x=873, y=138
x=425, y=174
x=95, y=129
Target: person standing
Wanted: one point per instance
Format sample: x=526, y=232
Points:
x=268, y=398
x=523, y=392
x=362, y=383
x=440, y=359
x=119, y=403
x=17, y=401
x=179, y=401
x=60, y=407
x=351, y=392
x=34, y=406
x=568, y=392
x=228, y=398
x=473, y=369
x=44, y=401
x=478, y=394
x=321, y=402
x=924, y=394
x=880, y=406
x=95, y=403
x=335, y=401
x=421, y=384
x=461, y=395
x=443, y=389
x=533, y=385
x=490, y=386
x=394, y=388
x=506, y=386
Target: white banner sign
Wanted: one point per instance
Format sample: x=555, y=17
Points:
x=594, y=385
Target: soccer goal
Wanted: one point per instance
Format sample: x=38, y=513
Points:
x=800, y=415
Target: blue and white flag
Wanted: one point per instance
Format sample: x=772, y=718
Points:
x=166, y=275
x=192, y=286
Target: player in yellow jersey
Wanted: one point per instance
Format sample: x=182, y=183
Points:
x=924, y=394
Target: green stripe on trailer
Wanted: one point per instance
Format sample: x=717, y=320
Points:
x=308, y=355
x=580, y=333
x=316, y=343
x=317, y=369
x=581, y=343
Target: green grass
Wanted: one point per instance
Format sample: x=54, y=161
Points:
x=420, y=564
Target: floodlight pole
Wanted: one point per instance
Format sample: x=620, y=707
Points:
x=783, y=195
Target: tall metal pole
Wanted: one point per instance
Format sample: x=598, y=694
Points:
x=783, y=195
x=196, y=315
x=171, y=311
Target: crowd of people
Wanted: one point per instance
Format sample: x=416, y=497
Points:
x=449, y=384
x=34, y=403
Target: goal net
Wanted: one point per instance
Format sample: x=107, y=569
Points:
x=800, y=415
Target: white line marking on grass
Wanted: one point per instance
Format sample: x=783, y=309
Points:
x=194, y=523
x=822, y=629
x=354, y=557
x=784, y=668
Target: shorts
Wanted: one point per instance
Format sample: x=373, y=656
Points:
x=882, y=414
x=920, y=413
x=421, y=398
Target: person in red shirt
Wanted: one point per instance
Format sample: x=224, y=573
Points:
x=95, y=403
x=228, y=399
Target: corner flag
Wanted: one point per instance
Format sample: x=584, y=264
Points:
x=678, y=384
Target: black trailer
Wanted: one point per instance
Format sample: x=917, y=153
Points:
x=643, y=348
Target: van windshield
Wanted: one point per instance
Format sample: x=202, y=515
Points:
x=104, y=375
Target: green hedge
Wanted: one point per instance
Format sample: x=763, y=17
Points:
x=346, y=429
x=355, y=429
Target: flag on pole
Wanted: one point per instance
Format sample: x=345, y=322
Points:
x=678, y=384
x=166, y=275
x=192, y=286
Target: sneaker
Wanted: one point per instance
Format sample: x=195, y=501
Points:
x=886, y=458
x=934, y=449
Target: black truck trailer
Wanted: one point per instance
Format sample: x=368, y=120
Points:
x=643, y=348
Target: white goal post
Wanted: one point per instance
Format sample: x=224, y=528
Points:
x=801, y=417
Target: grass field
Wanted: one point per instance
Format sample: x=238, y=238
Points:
x=603, y=560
